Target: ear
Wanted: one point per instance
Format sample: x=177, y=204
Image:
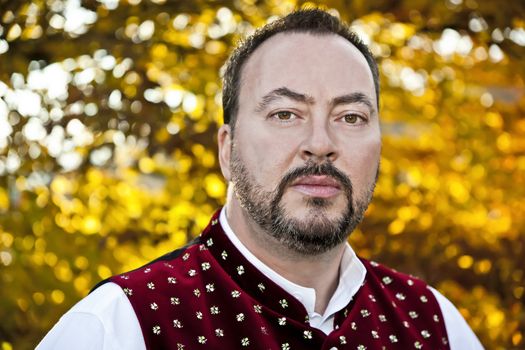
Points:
x=224, y=141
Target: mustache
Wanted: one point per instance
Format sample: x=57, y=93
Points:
x=326, y=169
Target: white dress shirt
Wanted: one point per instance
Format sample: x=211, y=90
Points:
x=105, y=318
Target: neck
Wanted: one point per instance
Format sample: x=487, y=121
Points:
x=320, y=272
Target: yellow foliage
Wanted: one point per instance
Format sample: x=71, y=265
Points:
x=109, y=158
x=214, y=186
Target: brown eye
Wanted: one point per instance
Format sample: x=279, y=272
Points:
x=284, y=115
x=351, y=118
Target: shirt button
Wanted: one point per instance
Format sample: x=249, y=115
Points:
x=333, y=348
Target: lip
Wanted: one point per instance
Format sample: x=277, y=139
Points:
x=320, y=186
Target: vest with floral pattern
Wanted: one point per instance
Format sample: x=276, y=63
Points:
x=208, y=296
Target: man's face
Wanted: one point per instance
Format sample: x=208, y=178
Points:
x=306, y=150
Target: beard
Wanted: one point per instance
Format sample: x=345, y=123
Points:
x=312, y=235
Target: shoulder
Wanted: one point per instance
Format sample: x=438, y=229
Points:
x=405, y=286
x=104, y=319
x=107, y=299
x=460, y=334
x=167, y=268
x=387, y=276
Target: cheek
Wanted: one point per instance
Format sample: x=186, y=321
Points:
x=266, y=158
x=265, y=144
x=363, y=164
x=372, y=155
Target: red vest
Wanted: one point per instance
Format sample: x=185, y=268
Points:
x=208, y=296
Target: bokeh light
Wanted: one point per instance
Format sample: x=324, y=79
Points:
x=108, y=117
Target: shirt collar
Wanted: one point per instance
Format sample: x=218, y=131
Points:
x=351, y=275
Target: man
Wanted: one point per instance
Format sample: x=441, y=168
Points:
x=300, y=149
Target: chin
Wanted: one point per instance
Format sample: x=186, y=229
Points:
x=314, y=209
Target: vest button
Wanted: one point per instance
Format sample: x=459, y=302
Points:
x=333, y=348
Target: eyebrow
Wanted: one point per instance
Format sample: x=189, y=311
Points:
x=282, y=92
x=355, y=97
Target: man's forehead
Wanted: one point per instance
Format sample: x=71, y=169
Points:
x=291, y=40
x=288, y=58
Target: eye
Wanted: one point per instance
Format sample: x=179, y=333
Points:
x=284, y=115
x=352, y=118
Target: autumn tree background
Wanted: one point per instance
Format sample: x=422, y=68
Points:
x=108, y=116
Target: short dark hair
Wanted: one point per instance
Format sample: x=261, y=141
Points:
x=311, y=21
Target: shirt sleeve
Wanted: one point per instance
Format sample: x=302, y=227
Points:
x=460, y=336
x=103, y=320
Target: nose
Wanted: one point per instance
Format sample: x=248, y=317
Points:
x=319, y=145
